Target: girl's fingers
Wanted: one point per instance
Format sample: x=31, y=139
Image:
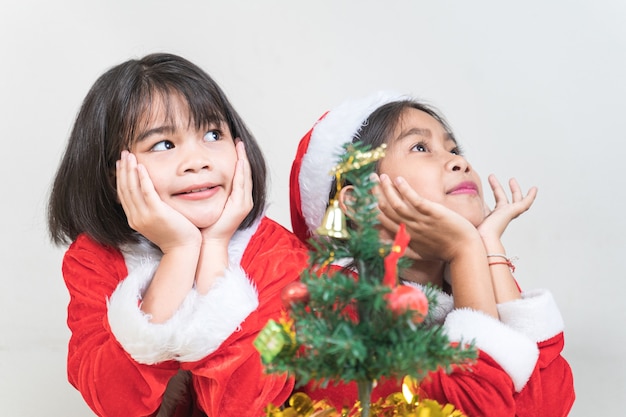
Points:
x=241, y=192
x=516, y=191
x=401, y=202
x=389, y=201
x=122, y=177
x=389, y=226
x=518, y=197
x=407, y=192
x=246, y=171
x=134, y=187
x=148, y=192
x=499, y=194
x=132, y=179
x=239, y=202
x=504, y=210
x=529, y=199
x=411, y=202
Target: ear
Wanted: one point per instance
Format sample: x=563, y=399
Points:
x=345, y=198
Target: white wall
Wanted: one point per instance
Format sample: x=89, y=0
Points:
x=534, y=89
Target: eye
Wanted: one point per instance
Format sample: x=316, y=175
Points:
x=163, y=145
x=419, y=147
x=212, y=135
x=457, y=151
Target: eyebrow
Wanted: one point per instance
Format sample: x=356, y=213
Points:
x=423, y=132
x=155, y=131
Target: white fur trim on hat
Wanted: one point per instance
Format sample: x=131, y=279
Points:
x=329, y=135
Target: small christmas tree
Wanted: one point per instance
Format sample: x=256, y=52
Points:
x=356, y=323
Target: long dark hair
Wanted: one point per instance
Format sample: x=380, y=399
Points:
x=380, y=125
x=83, y=197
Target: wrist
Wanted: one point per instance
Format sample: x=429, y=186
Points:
x=212, y=264
x=472, y=246
x=218, y=245
x=500, y=259
x=493, y=244
x=192, y=246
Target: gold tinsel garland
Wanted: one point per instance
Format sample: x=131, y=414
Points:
x=394, y=405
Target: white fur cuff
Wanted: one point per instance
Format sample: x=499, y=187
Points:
x=197, y=328
x=146, y=342
x=513, y=351
x=216, y=316
x=536, y=315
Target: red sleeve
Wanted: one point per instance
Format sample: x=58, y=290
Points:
x=110, y=381
x=485, y=390
x=231, y=381
x=550, y=390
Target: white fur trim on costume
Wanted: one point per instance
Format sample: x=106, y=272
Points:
x=146, y=342
x=200, y=324
x=536, y=315
x=216, y=316
x=329, y=135
x=513, y=351
x=445, y=304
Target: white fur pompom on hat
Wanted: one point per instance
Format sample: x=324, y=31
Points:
x=319, y=151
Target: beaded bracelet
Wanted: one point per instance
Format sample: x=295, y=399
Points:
x=507, y=261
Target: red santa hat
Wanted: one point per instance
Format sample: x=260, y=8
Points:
x=319, y=151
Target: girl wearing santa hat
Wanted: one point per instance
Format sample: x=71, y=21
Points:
x=172, y=267
x=427, y=184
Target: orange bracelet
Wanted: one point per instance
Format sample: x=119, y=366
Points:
x=507, y=263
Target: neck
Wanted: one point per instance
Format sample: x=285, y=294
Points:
x=425, y=272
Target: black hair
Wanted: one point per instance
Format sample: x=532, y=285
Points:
x=83, y=197
x=381, y=123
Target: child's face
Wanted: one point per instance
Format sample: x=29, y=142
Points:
x=422, y=152
x=192, y=170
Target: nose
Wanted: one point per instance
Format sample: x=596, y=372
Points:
x=194, y=159
x=458, y=163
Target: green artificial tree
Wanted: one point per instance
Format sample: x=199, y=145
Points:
x=344, y=328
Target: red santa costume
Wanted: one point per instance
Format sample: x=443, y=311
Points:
x=519, y=371
x=122, y=363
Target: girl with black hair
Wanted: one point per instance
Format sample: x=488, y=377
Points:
x=172, y=267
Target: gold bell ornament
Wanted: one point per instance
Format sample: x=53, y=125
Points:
x=334, y=223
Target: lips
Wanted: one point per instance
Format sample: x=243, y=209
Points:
x=466, y=187
x=195, y=189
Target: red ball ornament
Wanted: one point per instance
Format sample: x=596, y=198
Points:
x=406, y=297
x=296, y=292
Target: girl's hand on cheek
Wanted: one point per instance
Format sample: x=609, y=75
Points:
x=146, y=212
x=238, y=204
x=437, y=233
x=504, y=212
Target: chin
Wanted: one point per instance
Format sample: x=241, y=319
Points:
x=476, y=222
x=473, y=215
x=202, y=222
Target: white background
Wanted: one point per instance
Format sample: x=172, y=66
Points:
x=533, y=89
